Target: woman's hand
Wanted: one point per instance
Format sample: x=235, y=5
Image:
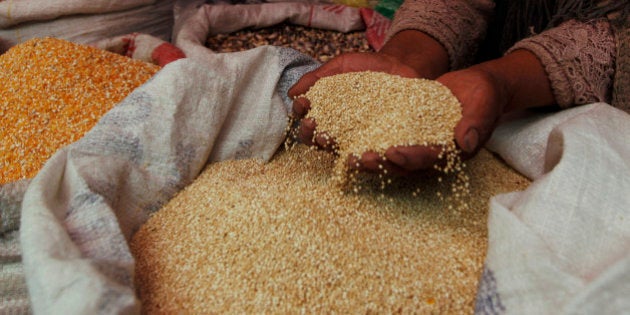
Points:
x=351, y=62
x=483, y=98
x=409, y=53
x=486, y=91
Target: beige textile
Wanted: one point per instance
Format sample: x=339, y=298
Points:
x=561, y=246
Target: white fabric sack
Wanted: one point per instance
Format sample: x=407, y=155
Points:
x=152, y=17
x=562, y=246
x=19, y=11
x=211, y=19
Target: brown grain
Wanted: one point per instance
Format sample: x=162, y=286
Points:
x=318, y=43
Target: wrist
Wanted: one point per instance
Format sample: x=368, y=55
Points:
x=419, y=51
x=521, y=80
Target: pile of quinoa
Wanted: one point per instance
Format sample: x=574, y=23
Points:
x=249, y=237
x=54, y=91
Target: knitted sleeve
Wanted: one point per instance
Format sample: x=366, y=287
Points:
x=458, y=25
x=579, y=58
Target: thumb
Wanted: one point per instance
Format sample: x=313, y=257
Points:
x=475, y=127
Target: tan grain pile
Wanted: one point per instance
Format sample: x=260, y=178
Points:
x=251, y=238
x=372, y=111
x=318, y=43
x=52, y=92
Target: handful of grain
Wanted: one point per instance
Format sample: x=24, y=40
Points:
x=54, y=91
x=252, y=238
x=372, y=111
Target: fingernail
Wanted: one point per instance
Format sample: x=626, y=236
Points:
x=471, y=140
x=396, y=157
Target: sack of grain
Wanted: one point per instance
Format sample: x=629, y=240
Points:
x=83, y=21
x=83, y=206
x=280, y=237
x=53, y=92
x=16, y=12
x=248, y=237
x=197, y=22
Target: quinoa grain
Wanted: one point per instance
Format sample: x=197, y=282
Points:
x=248, y=237
x=372, y=111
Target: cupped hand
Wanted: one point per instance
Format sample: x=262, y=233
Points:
x=350, y=62
x=483, y=99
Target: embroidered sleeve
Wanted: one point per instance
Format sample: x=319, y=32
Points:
x=458, y=25
x=579, y=59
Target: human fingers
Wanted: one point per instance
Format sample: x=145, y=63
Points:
x=307, y=135
x=351, y=62
x=301, y=106
x=482, y=104
x=308, y=79
x=306, y=130
x=326, y=142
x=372, y=162
x=414, y=158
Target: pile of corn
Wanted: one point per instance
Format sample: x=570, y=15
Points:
x=252, y=238
x=52, y=93
x=281, y=237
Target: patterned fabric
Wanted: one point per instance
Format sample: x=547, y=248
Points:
x=578, y=57
x=458, y=25
x=488, y=301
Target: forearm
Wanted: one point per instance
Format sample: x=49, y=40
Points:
x=521, y=80
x=419, y=51
x=458, y=25
x=579, y=58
